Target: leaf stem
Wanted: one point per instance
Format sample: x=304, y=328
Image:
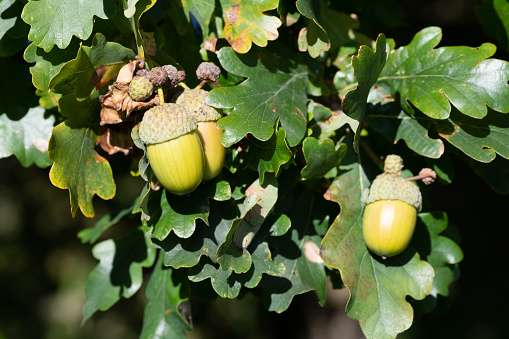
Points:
x=160, y=93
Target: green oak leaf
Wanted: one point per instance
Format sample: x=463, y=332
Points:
x=166, y=294
x=179, y=252
x=434, y=78
x=227, y=284
x=326, y=122
x=262, y=264
x=321, y=156
x=260, y=199
x=438, y=250
x=27, y=138
x=76, y=165
x=75, y=75
x=493, y=15
x=245, y=23
x=480, y=139
x=133, y=10
x=169, y=212
x=367, y=65
x=90, y=235
x=55, y=22
x=378, y=287
x=301, y=275
x=274, y=91
x=268, y=156
x=119, y=271
x=395, y=124
x=13, y=31
x=313, y=38
x=202, y=11
x=48, y=64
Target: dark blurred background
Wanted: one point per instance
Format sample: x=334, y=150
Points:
x=43, y=265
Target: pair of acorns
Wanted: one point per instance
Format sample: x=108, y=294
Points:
x=183, y=142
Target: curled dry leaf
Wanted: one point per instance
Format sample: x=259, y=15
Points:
x=116, y=138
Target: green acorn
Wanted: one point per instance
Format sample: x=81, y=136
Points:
x=173, y=145
x=390, y=212
x=206, y=116
x=140, y=88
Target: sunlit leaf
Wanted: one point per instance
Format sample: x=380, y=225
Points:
x=313, y=38
x=55, y=22
x=245, y=23
x=321, y=156
x=432, y=78
x=75, y=75
x=274, y=91
x=367, y=65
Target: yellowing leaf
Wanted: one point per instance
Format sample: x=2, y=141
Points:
x=245, y=23
x=76, y=165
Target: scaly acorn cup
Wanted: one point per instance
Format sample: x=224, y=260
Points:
x=390, y=212
x=140, y=88
x=173, y=145
x=194, y=100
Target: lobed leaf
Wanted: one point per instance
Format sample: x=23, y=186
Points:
x=395, y=124
x=103, y=57
x=479, y=139
x=202, y=11
x=165, y=294
x=179, y=252
x=27, y=138
x=269, y=156
x=48, y=64
x=169, y=212
x=301, y=275
x=438, y=250
x=76, y=165
x=313, y=38
x=433, y=79
x=367, y=65
x=258, y=203
x=274, y=91
x=55, y=22
x=378, y=288
x=321, y=156
x=119, y=271
x=245, y=23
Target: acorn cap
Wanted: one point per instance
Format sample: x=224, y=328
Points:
x=165, y=122
x=390, y=186
x=158, y=76
x=194, y=100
